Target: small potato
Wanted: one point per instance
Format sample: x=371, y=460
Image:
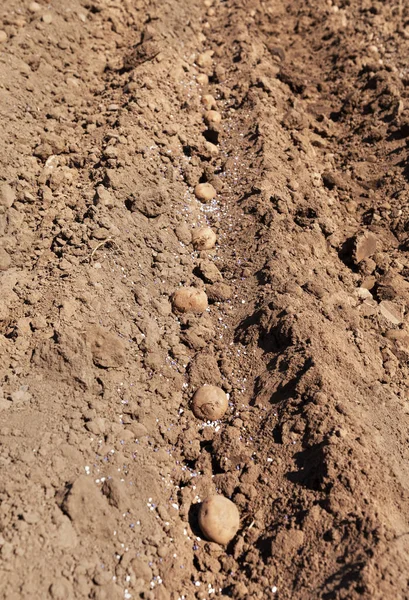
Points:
x=209, y=403
x=205, y=192
x=208, y=102
x=219, y=519
x=203, y=238
x=189, y=300
x=212, y=118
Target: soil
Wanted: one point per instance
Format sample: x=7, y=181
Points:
x=104, y=139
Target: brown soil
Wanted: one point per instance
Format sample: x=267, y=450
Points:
x=104, y=138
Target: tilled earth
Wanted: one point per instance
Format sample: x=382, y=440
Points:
x=104, y=138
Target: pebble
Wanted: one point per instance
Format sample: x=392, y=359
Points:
x=208, y=271
x=219, y=292
x=212, y=118
x=47, y=18
x=391, y=311
x=202, y=79
x=364, y=246
x=3, y=36
x=7, y=195
x=34, y=7
x=208, y=101
x=211, y=148
x=205, y=192
x=5, y=260
x=105, y=197
x=205, y=60
x=363, y=293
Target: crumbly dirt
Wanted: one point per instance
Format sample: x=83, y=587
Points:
x=102, y=463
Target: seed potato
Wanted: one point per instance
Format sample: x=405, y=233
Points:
x=209, y=403
x=219, y=519
x=205, y=192
x=203, y=238
x=189, y=300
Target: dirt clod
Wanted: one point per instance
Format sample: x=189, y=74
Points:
x=202, y=196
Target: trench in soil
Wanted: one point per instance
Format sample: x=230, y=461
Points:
x=104, y=463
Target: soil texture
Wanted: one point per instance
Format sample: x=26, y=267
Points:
x=127, y=127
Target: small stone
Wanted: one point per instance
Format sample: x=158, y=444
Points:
x=3, y=36
x=369, y=282
x=208, y=101
x=205, y=60
x=363, y=293
x=7, y=195
x=5, y=260
x=47, y=18
x=391, y=311
x=202, y=79
x=364, y=246
x=34, y=7
x=368, y=308
x=211, y=148
x=219, y=292
x=205, y=192
x=212, y=118
x=208, y=271
x=104, y=197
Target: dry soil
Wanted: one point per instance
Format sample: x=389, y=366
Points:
x=104, y=138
